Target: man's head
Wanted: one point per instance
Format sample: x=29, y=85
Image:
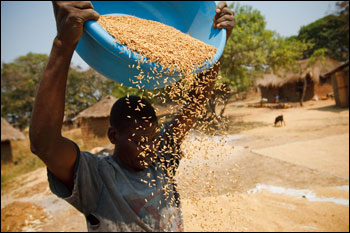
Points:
x=133, y=130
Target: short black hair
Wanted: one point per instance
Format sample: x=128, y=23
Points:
x=130, y=108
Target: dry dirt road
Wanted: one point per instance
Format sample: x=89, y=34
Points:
x=266, y=178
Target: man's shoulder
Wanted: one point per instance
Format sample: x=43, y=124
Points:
x=93, y=159
x=101, y=152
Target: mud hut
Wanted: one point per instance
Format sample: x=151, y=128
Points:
x=340, y=83
x=94, y=121
x=69, y=124
x=8, y=134
x=298, y=86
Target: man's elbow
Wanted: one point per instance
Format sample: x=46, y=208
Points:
x=38, y=143
x=41, y=150
x=35, y=145
x=34, y=149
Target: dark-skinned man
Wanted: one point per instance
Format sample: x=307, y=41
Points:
x=132, y=190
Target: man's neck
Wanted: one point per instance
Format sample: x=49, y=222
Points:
x=124, y=165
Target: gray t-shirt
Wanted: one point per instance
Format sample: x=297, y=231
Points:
x=115, y=199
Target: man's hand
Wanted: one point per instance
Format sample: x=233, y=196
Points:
x=70, y=18
x=224, y=18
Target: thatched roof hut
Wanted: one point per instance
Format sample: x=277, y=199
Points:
x=94, y=121
x=8, y=134
x=288, y=85
x=69, y=123
x=340, y=82
x=100, y=109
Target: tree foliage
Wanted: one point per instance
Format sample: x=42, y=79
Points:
x=330, y=32
x=20, y=80
x=85, y=89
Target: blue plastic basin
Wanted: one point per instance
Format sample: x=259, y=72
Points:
x=113, y=60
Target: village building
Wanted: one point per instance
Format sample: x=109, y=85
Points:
x=69, y=124
x=339, y=78
x=8, y=134
x=94, y=121
x=287, y=86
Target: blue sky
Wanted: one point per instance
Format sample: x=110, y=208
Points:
x=29, y=26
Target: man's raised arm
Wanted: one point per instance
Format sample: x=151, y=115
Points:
x=58, y=153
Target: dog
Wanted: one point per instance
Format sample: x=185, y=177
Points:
x=279, y=119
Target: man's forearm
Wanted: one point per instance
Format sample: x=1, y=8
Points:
x=48, y=111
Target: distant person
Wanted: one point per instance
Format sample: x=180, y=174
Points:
x=132, y=190
x=277, y=99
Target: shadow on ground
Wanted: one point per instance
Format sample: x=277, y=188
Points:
x=332, y=108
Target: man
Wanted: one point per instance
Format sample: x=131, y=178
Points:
x=132, y=190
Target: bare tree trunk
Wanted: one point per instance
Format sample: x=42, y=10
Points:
x=225, y=104
x=212, y=106
x=303, y=92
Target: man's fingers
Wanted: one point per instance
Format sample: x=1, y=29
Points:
x=225, y=24
x=89, y=14
x=227, y=11
x=81, y=5
x=224, y=11
x=86, y=5
x=219, y=9
x=224, y=18
x=220, y=6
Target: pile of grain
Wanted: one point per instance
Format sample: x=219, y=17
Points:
x=160, y=43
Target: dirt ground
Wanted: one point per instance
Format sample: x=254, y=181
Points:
x=265, y=178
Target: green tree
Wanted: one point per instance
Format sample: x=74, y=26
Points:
x=330, y=32
x=343, y=13
x=20, y=80
x=85, y=89
x=326, y=32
